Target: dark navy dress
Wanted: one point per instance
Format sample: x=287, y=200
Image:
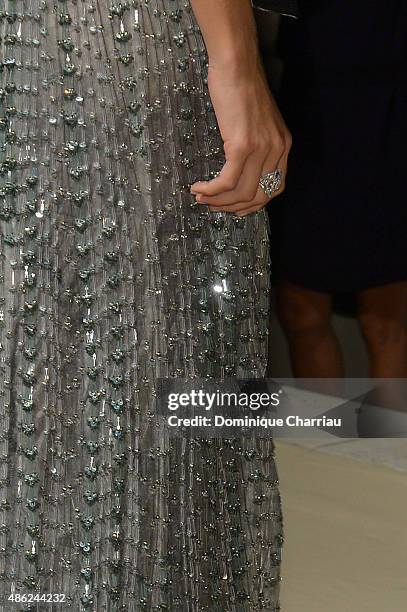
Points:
x=341, y=226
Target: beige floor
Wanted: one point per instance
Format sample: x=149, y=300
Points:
x=345, y=533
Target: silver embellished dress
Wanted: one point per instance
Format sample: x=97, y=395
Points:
x=112, y=276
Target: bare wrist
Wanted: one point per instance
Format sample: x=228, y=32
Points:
x=237, y=66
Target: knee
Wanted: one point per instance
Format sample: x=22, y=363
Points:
x=380, y=332
x=298, y=317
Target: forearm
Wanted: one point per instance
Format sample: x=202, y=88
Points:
x=229, y=31
x=256, y=141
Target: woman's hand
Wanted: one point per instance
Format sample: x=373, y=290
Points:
x=256, y=140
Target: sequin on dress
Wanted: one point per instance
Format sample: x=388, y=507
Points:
x=112, y=276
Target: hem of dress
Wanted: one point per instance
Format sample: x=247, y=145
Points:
x=335, y=290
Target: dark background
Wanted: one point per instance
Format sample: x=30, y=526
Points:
x=345, y=325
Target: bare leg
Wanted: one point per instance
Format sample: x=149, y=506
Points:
x=382, y=315
x=305, y=316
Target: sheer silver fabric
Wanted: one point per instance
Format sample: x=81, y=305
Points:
x=111, y=276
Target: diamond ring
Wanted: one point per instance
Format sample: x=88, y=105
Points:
x=271, y=182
